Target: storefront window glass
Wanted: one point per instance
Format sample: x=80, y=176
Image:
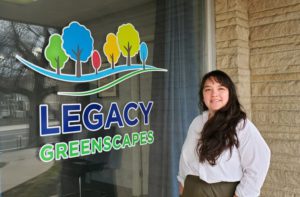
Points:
x=72, y=122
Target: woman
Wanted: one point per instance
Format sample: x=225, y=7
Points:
x=224, y=154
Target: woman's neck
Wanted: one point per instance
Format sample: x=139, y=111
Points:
x=210, y=114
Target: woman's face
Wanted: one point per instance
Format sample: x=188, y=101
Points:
x=215, y=95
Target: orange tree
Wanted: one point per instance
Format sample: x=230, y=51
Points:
x=111, y=49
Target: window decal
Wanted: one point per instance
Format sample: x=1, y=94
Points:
x=76, y=43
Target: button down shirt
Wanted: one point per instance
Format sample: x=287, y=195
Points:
x=248, y=163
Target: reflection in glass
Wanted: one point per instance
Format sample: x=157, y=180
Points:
x=172, y=31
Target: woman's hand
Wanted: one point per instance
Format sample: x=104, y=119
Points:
x=180, y=188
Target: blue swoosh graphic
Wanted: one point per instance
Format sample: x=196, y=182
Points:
x=84, y=78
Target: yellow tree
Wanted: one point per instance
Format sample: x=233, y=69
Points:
x=129, y=41
x=111, y=49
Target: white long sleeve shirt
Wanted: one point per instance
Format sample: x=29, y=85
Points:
x=248, y=163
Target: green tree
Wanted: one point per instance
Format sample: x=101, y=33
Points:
x=129, y=41
x=55, y=54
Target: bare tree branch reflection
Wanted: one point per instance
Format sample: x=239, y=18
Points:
x=29, y=42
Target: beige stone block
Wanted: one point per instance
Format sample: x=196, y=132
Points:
x=275, y=107
x=276, y=48
x=272, y=30
x=230, y=71
x=231, y=33
x=245, y=71
x=232, y=4
x=226, y=61
x=254, y=22
x=289, y=167
x=276, y=99
x=232, y=43
x=220, y=6
x=283, y=158
x=274, y=12
x=297, y=117
x=281, y=59
x=274, y=127
x=291, y=39
x=234, y=79
x=232, y=21
x=226, y=33
x=229, y=5
x=242, y=5
x=287, y=117
x=275, y=77
x=276, y=69
x=243, y=60
x=289, y=147
x=259, y=5
x=271, y=191
x=261, y=117
x=284, y=88
x=234, y=51
x=246, y=105
x=243, y=88
x=293, y=178
x=283, y=135
x=276, y=177
x=232, y=14
x=233, y=60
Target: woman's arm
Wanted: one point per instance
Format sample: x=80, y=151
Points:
x=255, y=160
x=188, y=153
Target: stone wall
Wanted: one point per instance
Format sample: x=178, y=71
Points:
x=275, y=88
x=232, y=39
x=263, y=36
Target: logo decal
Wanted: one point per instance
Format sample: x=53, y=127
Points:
x=76, y=43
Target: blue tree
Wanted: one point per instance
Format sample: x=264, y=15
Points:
x=143, y=53
x=78, y=44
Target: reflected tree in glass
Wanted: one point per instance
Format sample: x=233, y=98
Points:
x=27, y=41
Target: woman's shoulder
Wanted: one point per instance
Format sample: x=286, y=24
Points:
x=199, y=121
x=246, y=128
x=201, y=118
x=247, y=124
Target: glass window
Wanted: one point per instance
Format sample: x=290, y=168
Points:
x=96, y=98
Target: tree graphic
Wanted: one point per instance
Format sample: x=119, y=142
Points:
x=55, y=54
x=129, y=41
x=78, y=44
x=143, y=53
x=96, y=60
x=111, y=49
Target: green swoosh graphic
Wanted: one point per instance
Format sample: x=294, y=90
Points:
x=111, y=84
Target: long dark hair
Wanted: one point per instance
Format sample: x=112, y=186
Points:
x=219, y=132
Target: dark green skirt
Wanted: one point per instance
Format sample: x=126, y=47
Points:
x=195, y=187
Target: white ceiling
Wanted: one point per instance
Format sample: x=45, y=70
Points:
x=57, y=13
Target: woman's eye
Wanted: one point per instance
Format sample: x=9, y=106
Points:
x=206, y=90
